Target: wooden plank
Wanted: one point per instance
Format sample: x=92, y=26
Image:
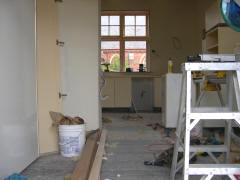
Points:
x=97, y=163
x=83, y=167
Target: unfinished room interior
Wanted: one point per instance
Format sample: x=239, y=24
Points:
x=120, y=90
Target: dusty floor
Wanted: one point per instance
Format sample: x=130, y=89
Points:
x=128, y=147
x=126, y=150
x=50, y=167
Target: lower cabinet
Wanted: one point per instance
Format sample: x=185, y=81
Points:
x=108, y=93
x=118, y=92
x=142, y=94
x=123, y=92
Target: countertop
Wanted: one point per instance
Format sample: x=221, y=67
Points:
x=131, y=74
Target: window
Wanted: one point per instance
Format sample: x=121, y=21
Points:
x=124, y=41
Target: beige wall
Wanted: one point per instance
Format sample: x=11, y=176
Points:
x=202, y=6
x=48, y=73
x=168, y=19
x=82, y=45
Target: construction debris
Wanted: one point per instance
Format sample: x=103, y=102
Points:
x=60, y=119
x=106, y=120
x=163, y=152
x=155, y=126
x=134, y=117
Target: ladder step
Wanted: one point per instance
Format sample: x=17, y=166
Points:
x=214, y=116
x=216, y=169
x=206, y=148
x=203, y=66
x=210, y=109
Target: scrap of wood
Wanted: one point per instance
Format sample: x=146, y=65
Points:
x=56, y=117
x=97, y=163
x=60, y=119
x=83, y=167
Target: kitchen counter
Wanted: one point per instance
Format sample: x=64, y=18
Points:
x=131, y=74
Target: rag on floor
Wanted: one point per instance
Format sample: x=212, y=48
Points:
x=16, y=176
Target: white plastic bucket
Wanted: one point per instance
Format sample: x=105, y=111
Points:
x=71, y=139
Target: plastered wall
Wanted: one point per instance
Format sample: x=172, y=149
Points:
x=169, y=20
x=79, y=27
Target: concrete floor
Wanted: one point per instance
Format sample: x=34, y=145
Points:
x=126, y=151
x=50, y=167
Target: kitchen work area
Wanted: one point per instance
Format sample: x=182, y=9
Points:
x=120, y=90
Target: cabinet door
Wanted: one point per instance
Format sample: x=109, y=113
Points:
x=227, y=39
x=123, y=92
x=108, y=92
x=143, y=94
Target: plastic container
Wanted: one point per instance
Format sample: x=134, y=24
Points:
x=71, y=139
x=170, y=66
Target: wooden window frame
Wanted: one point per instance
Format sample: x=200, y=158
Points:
x=122, y=38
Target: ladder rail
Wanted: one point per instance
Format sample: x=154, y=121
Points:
x=187, y=123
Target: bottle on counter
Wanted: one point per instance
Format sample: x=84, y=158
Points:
x=170, y=66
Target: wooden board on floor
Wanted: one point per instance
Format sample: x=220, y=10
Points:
x=83, y=167
x=97, y=163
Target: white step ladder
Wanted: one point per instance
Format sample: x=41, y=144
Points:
x=190, y=116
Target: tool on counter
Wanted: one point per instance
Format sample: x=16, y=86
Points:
x=212, y=58
x=106, y=66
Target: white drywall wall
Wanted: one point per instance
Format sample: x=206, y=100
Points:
x=18, y=119
x=79, y=29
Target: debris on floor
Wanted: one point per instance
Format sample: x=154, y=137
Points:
x=163, y=152
x=155, y=126
x=134, y=117
x=168, y=132
x=106, y=120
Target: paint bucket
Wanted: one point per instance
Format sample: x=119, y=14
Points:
x=71, y=139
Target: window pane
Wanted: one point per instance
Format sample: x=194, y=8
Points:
x=129, y=30
x=114, y=30
x=140, y=30
x=140, y=20
x=104, y=30
x=135, y=45
x=129, y=20
x=135, y=54
x=104, y=20
x=110, y=55
x=114, y=20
